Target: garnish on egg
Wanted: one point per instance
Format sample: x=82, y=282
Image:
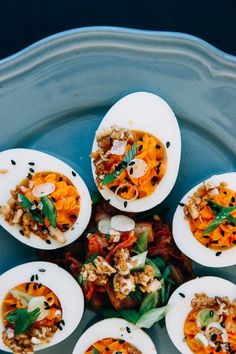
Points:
x=131, y=165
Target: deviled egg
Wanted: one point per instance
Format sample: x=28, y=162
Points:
x=204, y=225
x=204, y=310
x=41, y=305
x=136, y=152
x=44, y=202
x=116, y=334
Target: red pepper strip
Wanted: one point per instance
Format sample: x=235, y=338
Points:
x=125, y=244
x=96, y=244
x=89, y=289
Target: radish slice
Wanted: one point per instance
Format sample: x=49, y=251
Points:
x=202, y=340
x=118, y=147
x=104, y=226
x=43, y=189
x=38, y=302
x=137, y=168
x=122, y=223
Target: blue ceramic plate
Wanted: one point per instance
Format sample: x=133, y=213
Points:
x=54, y=94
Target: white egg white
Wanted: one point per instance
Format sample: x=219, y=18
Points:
x=115, y=328
x=16, y=173
x=149, y=113
x=63, y=286
x=179, y=306
x=185, y=239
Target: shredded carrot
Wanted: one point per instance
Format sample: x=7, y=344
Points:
x=110, y=345
x=65, y=197
x=224, y=236
x=191, y=329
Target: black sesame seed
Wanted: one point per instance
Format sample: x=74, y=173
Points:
x=36, y=202
x=140, y=147
x=158, y=146
x=63, y=322
x=213, y=337
x=215, y=241
x=36, y=277
x=73, y=173
x=140, y=139
x=46, y=303
x=59, y=326
x=27, y=286
x=154, y=180
x=222, y=324
x=40, y=285
x=125, y=204
x=218, y=253
x=121, y=341
x=131, y=171
x=47, y=307
x=13, y=162
x=168, y=144
x=60, y=178
x=48, y=242
x=22, y=232
x=29, y=176
x=222, y=233
x=203, y=328
x=211, y=313
x=35, y=286
x=232, y=199
x=131, y=163
x=42, y=270
x=13, y=305
x=31, y=170
x=234, y=242
x=53, y=199
x=49, y=298
x=128, y=329
x=207, y=245
x=31, y=163
x=218, y=349
x=107, y=349
x=234, y=232
x=32, y=278
x=225, y=192
x=182, y=295
x=181, y=204
x=206, y=236
x=230, y=204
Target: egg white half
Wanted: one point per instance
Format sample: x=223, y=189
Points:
x=185, y=239
x=179, y=306
x=115, y=328
x=43, y=162
x=149, y=113
x=60, y=282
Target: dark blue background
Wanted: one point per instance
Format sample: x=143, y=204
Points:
x=23, y=22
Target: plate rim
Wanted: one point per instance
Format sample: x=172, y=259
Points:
x=71, y=40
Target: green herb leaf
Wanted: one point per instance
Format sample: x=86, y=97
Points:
x=136, y=295
x=91, y=231
x=157, y=272
x=142, y=243
x=95, y=351
x=149, y=302
x=22, y=319
x=96, y=197
x=49, y=210
x=25, y=202
x=109, y=313
x=160, y=263
x=166, y=272
x=129, y=315
x=149, y=318
x=121, y=166
x=35, y=214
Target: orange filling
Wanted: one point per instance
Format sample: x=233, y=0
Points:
x=10, y=303
x=191, y=329
x=65, y=197
x=152, y=151
x=109, y=345
x=224, y=236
